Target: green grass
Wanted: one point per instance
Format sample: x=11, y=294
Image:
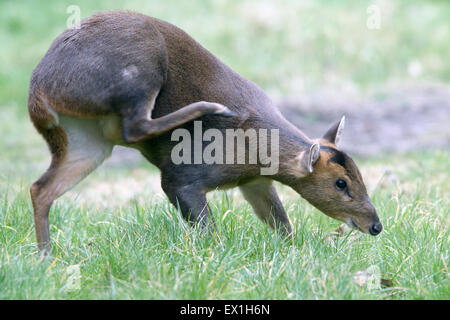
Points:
x=144, y=250
x=291, y=47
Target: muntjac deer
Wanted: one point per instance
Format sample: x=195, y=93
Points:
x=124, y=78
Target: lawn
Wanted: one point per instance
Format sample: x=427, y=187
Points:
x=142, y=249
x=115, y=236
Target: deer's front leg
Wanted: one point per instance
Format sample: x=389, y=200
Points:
x=263, y=198
x=192, y=203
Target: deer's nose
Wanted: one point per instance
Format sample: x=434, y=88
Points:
x=375, y=228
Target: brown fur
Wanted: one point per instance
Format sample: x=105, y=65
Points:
x=354, y=203
x=126, y=78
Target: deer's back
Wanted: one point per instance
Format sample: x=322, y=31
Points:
x=113, y=57
x=121, y=56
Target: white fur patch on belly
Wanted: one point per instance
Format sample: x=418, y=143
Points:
x=85, y=140
x=111, y=128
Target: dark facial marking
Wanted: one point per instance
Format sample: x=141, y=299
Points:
x=336, y=156
x=339, y=158
x=343, y=160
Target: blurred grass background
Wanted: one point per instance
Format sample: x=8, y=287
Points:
x=287, y=47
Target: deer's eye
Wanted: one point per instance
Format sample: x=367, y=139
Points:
x=341, y=184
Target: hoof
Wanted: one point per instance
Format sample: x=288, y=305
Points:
x=226, y=113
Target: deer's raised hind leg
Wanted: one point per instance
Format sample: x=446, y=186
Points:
x=137, y=124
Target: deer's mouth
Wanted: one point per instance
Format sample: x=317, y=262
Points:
x=353, y=225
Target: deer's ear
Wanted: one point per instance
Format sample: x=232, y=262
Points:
x=309, y=157
x=334, y=134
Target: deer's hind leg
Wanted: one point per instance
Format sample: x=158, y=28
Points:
x=78, y=148
x=137, y=124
